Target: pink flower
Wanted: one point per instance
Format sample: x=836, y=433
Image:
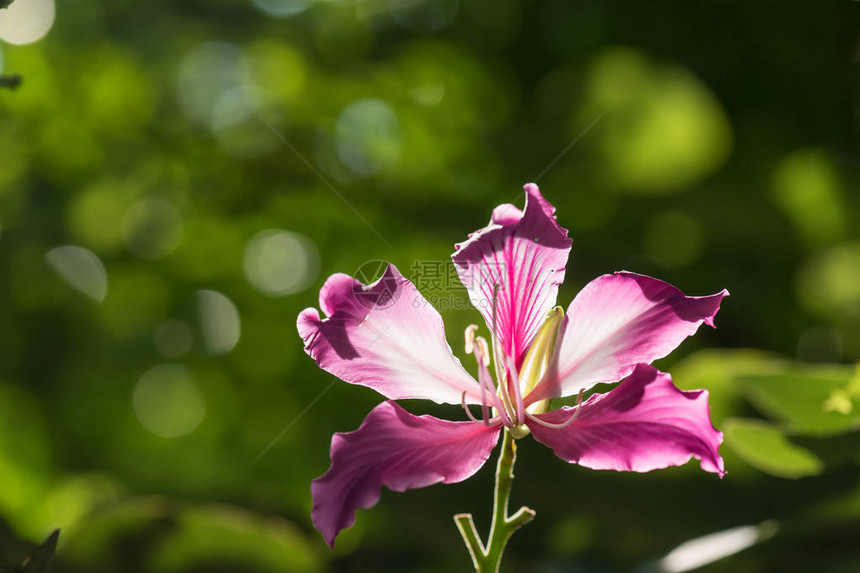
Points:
x=387, y=337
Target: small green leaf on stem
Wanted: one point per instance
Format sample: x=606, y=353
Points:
x=766, y=448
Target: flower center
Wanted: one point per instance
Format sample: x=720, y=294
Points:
x=505, y=394
x=539, y=356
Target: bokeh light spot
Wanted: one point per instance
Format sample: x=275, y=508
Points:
x=167, y=401
x=278, y=72
x=367, y=136
x=829, y=282
x=278, y=262
x=219, y=321
x=95, y=215
x=120, y=96
x=173, y=338
x=81, y=269
x=281, y=8
x=239, y=132
x=27, y=21
x=233, y=106
x=663, y=129
x=152, y=228
x=429, y=94
x=205, y=74
x=806, y=187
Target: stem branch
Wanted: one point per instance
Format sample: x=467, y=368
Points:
x=488, y=559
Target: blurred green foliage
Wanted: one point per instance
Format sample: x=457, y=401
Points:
x=178, y=179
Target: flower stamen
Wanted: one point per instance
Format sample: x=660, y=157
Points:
x=477, y=345
x=564, y=424
x=468, y=412
x=486, y=421
x=470, y=338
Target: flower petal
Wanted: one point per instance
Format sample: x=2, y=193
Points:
x=645, y=423
x=524, y=253
x=395, y=449
x=616, y=322
x=385, y=336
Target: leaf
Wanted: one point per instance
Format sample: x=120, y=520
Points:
x=39, y=561
x=5, y=3
x=717, y=370
x=177, y=537
x=819, y=401
x=234, y=536
x=767, y=449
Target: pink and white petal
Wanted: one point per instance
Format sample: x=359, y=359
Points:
x=385, y=336
x=523, y=254
x=616, y=322
x=395, y=449
x=643, y=424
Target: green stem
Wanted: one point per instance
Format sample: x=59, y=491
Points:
x=487, y=559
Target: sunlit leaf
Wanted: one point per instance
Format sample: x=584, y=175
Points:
x=806, y=187
x=230, y=535
x=817, y=401
x=716, y=370
x=766, y=448
x=176, y=537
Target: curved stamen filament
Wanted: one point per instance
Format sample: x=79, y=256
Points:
x=484, y=411
x=487, y=422
x=486, y=381
x=469, y=412
x=564, y=424
x=483, y=357
x=488, y=391
x=477, y=346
